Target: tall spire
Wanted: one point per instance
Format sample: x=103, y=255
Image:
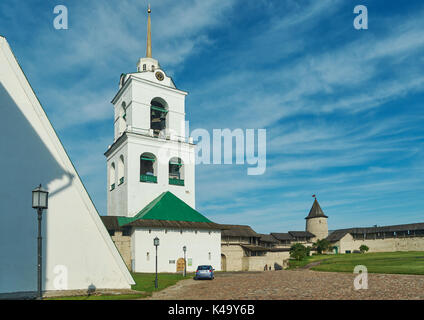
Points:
x=149, y=35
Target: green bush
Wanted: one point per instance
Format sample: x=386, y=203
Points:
x=363, y=248
x=299, y=252
x=322, y=245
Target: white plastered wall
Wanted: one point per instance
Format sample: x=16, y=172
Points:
x=172, y=241
x=74, y=237
x=132, y=196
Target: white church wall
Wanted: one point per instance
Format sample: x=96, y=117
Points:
x=133, y=195
x=120, y=123
x=74, y=238
x=199, y=245
x=144, y=92
x=139, y=116
x=142, y=193
x=117, y=200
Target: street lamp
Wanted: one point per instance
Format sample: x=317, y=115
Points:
x=185, y=263
x=156, y=244
x=40, y=202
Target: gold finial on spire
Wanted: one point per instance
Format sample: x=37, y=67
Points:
x=149, y=35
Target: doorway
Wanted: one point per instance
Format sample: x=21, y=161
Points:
x=180, y=264
x=223, y=262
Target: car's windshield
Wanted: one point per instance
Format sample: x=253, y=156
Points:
x=204, y=267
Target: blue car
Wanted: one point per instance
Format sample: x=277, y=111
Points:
x=204, y=272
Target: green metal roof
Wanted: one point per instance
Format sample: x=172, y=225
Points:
x=166, y=207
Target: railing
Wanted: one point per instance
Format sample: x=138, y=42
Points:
x=112, y=187
x=146, y=178
x=121, y=180
x=176, y=182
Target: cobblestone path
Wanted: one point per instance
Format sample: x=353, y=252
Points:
x=295, y=284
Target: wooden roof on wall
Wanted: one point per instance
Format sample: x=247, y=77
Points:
x=336, y=235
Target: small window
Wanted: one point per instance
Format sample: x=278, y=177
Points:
x=204, y=268
x=181, y=231
x=158, y=115
x=195, y=231
x=153, y=68
x=148, y=168
x=144, y=67
x=148, y=256
x=122, y=79
x=121, y=170
x=150, y=231
x=176, y=171
x=166, y=231
x=112, y=176
x=122, y=125
x=209, y=256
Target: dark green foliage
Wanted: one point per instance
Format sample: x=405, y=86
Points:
x=322, y=246
x=363, y=248
x=299, y=252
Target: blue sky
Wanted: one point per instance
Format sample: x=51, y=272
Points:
x=343, y=108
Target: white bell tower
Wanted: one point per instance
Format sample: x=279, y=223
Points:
x=150, y=153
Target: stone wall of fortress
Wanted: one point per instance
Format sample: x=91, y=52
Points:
x=381, y=245
x=123, y=244
x=233, y=257
x=236, y=261
x=275, y=260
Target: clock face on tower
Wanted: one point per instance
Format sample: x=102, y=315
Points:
x=159, y=75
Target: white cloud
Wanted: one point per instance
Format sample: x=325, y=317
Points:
x=274, y=79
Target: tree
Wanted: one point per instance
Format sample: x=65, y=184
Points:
x=298, y=251
x=322, y=245
x=363, y=248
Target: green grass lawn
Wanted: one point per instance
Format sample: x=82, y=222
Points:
x=381, y=262
x=145, y=283
x=294, y=264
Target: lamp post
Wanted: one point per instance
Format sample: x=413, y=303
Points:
x=156, y=244
x=185, y=263
x=40, y=202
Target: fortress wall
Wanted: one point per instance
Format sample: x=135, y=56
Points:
x=381, y=245
x=123, y=244
x=234, y=257
x=236, y=261
x=274, y=259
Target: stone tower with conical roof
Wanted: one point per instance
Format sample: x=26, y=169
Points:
x=316, y=222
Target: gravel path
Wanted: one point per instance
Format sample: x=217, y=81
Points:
x=294, y=284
